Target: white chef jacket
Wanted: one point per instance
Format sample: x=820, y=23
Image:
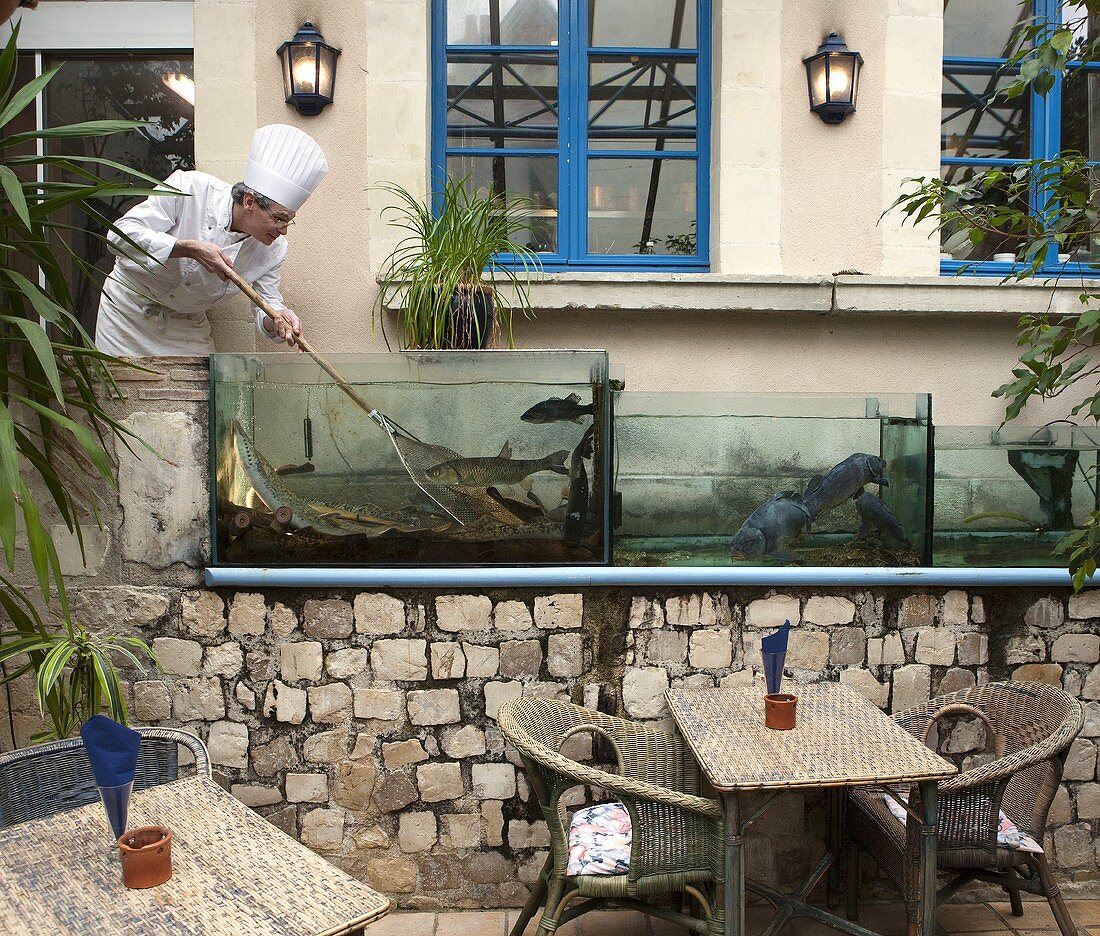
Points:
x=157, y=305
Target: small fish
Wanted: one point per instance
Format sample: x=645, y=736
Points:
x=295, y=469
x=576, y=510
x=524, y=510
x=873, y=513
x=771, y=528
x=558, y=410
x=500, y=469
x=844, y=481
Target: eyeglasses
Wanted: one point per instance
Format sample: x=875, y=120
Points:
x=278, y=219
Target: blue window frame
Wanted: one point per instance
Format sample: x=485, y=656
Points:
x=599, y=110
x=980, y=130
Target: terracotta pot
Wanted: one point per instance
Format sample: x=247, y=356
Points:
x=779, y=710
x=146, y=856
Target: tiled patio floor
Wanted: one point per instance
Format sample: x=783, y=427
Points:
x=993, y=919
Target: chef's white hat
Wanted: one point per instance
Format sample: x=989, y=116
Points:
x=285, y=165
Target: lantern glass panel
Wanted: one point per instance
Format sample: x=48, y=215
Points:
x=327, y=71
x=840, y=68
x=284, y=59
x=819, y=87
x=304, y=68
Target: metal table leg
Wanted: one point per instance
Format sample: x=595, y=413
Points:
x=929, y=797
x=734, y=890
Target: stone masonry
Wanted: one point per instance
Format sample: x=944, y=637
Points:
x=364, y=723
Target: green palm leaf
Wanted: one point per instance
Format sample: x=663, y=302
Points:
x=55, y=433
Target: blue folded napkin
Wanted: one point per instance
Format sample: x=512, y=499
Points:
x=773, y=652
x=112, y=750
x=777, y=642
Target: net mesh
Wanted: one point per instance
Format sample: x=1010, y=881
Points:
x=465, y=505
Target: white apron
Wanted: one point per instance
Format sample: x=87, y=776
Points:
x=131, y=325
x=155, y=305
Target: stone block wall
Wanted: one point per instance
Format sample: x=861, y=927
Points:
x=364, y=723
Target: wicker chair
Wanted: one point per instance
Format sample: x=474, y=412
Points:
x=51, y=778
x=1031, y=727
x=676, y=834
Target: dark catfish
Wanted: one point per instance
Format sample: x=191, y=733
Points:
x=874, y=514
x=771, y=528
x=576, y=510
x=843, y=482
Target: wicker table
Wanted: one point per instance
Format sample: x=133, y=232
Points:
x=841, y=740
x=233, y=873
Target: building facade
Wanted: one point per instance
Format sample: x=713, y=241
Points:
x=712, y=234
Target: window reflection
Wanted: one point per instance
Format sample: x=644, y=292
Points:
x=643, y=24
x=641, y=206
x=981, y=28
x=502, y=100
x=153, y=89
x=977, y=120
x=533, y=177
x=502, y=22
x=641, y=103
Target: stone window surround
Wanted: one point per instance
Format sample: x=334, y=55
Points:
x=712, y=292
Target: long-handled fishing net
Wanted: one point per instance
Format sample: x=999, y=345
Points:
x=463, y=505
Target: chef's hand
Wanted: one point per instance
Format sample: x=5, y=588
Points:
x=289, y=328
x=210, y=256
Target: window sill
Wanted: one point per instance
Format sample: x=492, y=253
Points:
x=852, y=294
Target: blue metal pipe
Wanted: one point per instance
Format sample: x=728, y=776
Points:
x=583, y=576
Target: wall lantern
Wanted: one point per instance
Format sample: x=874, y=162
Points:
x=309, y=70
x=832, y=73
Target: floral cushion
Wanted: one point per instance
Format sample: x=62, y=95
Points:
x=1008, y=833
x=599, y=840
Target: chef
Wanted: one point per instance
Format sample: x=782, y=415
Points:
x=156, y=302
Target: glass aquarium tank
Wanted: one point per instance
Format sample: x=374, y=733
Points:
x=1004, y=496
x=714, y=479
x=413, y=458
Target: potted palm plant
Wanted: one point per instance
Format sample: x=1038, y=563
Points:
x=55, y=417
x=460, y=272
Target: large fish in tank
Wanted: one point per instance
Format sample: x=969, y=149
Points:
x=558, y=409
x=771, y=528
x=499, y=469
x=844, y=481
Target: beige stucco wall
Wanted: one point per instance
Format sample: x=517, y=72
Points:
x=793, y=200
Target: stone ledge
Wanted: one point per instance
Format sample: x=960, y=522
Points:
x=683, y=292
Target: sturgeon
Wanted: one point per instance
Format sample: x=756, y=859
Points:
x=321, y=516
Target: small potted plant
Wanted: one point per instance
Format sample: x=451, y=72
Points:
x=460, y=272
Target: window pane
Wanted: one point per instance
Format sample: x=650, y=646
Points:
x=975, y=123
x=643, y=24
x=502, y=22
x=641, y=103
x=1081, y=113
x=132, y=87
x=956, y=242
x=1085, y=27
x=535, y=177
x=980, y=28
x=502, y=100
x=641, y=206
